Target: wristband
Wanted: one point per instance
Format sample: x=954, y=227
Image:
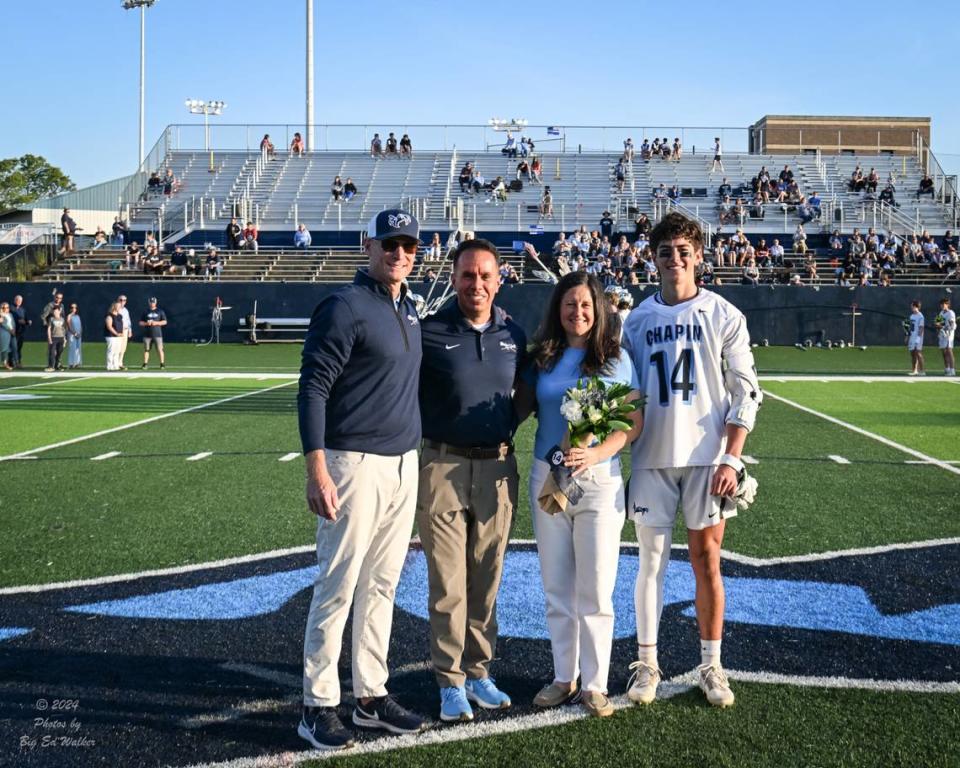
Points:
x=732, y=461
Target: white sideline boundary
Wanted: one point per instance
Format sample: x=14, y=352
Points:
x=560, y=716
x=872, y=435
x=141, y=422
x=45, y=383
x=734, y=557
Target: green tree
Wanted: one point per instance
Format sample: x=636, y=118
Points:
x=28, y=178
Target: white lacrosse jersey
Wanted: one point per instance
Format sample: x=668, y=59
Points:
x=949, y=323
x=679, y=354
x=916, y=327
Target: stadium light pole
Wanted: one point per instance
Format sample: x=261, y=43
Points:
x=310, y=145
x=142, y=5
x=206, y=108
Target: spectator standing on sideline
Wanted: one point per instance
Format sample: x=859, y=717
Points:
x=153, y=321
x=74, y=338
x=360, y=427
x=21, y=323
x=56, y=339
x=301, y=238
x=233, y=233
x=127, y=330
x=113, y=325
x=472, y=354
x=7, y=338
x=57, y=301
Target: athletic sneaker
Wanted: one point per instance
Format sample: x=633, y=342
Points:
x=596, y=704
x=642, y=686
x=454, y=707
x=323, y=729
x=713, y=682
x=384, y=713
x=143, y=367
x=163, y=366
x=485, y=693
x=555, y=694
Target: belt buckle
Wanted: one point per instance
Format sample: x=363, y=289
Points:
x=475, y=453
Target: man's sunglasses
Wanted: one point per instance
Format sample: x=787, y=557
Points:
x=392, y=243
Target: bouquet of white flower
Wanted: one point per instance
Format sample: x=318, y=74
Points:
x=598, y=409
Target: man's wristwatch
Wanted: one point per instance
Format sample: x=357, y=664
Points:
x=732, y=461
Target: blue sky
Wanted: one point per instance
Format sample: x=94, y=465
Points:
x=72, y=66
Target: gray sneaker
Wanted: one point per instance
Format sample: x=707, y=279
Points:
x=714, y=683
x=642, y=686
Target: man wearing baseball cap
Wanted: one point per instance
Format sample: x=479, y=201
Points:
x=360, y=427
x=152, y=321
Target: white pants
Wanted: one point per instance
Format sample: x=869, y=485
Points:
x=360, y=555
x=114, y=351
x=579, y=551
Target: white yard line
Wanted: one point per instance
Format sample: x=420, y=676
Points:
x=910, y=461
x=288, y=456
x=734, y=557
x=199, y=456
x=47, y=383
x=838, y=459
x=748, y=459
x=908, y=686
x=105, y=456
x=865, y=433
x=140, y=423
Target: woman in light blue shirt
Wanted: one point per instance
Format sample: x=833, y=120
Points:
x=579, y=548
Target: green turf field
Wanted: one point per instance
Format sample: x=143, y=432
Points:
x=105, y=476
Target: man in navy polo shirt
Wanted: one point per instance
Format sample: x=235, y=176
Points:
x=152, y=321
x=468, y=476
x=360, y=428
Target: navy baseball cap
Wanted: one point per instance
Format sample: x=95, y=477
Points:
x=393, y=222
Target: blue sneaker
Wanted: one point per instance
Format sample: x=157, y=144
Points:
x=454, y=707
x=485, y=693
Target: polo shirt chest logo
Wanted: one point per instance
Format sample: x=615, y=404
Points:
x=412, y=319
x=508, y=346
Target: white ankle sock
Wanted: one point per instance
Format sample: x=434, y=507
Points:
x=648, y=655
x=710, y=652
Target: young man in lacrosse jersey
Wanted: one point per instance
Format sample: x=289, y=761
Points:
x=914, y=326
x=692, y=354
x=946, y=327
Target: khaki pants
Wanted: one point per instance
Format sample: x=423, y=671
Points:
x=360, y=555
x=464, y=510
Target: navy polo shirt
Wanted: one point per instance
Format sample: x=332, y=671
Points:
x=467, y=377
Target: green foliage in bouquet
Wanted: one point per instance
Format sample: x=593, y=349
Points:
x=596, y=408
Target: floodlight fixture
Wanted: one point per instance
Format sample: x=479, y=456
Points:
x=511, y=124
x=206, y=108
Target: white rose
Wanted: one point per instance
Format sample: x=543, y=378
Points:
x=571, y=411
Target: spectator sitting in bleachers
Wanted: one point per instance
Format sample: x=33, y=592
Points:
x=674, y=193
x=406, y=146
x=949, y=239
x=214, y=265
x=739, y=211
x=170, y=183
x=154, y=183
x=776, y=253
x=885, y=280
x=628, y=149
x=660, y=193
x=434, y=251
x=99, y=238
x=756, y=207
x=665, y=148
x=872, y=240
x=835, y=245
x=810, y=269
x=873, y=179
x=523, y=169
x=645, y=150
x=800, y=240
x=376, y=146
x=465, y=176
x=720, y=251
x=349, y=190
x=806, y=213
x=857, y=182
x=498, y=192
x=508, y=275
x=724, y=190
x=762, y=254
x=915, y=250
x=887, y=196
x=133, y=255
x=233, y=232
x=856, y=246
x=751, y=275
x=266, y=146
x=251, y=237
x=194, y=263
x=153, y=264
x=150, y=241
x=178, y=262
x=301, y=238
x=649, y=267
x=641, y=226
x=478, y=182
x=655, y=149
x=336, y=189
x=926, y=187
x=707, y=273
x=297, y=146
x=814, y=202
x=510, y=146
x=950, y=261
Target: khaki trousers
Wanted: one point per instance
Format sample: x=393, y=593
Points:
x=464, y=510
x=360, y=555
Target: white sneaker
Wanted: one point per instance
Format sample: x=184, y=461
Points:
x=642, y=686
x=713, y=682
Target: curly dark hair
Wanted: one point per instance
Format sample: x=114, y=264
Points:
x=673, y=226
x=550, y=340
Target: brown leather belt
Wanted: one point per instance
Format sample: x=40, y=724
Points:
x=495, y=452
